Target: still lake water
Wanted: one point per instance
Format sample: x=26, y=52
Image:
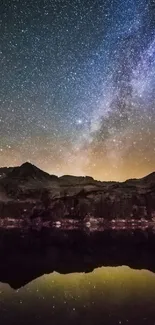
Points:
x=74, y=277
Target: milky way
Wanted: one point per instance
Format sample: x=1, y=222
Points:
x=77, y=86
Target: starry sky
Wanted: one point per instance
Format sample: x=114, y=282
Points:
x=77, y=86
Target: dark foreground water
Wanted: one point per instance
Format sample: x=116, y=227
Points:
x=77, y=277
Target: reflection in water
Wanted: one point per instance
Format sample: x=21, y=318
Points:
x=84, y=292
x=117, y=295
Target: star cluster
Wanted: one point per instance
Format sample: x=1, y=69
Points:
x=77, y=87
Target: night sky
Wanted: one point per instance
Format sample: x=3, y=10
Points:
x=77, y=86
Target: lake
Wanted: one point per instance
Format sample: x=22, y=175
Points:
x=55, y=276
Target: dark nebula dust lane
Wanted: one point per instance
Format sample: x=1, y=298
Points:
x=77, y=86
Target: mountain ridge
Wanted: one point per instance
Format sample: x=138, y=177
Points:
x=74, y=197
x=29, y=168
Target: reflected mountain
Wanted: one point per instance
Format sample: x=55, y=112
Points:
x=26, y=255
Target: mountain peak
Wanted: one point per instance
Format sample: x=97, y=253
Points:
x=27, y=163
x=28, y=170
x=28, y=166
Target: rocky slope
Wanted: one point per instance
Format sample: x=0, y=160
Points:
x=25, y=187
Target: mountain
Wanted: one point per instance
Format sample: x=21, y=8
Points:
x=27, y=171
x=72, y=180
x=149, y=179
x=23, y=183
x=74, y=197
x=5, y=171
x=144, y=181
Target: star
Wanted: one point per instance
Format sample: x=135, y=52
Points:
x=77, y=88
